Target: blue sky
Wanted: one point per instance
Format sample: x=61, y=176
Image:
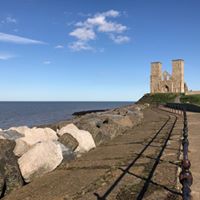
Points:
x=93, y=50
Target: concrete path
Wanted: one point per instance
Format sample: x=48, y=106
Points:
x=98, y=169
x=194, y=155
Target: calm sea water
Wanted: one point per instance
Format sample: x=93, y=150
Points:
x=37, y=113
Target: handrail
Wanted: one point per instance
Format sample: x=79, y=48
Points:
x=185, y=176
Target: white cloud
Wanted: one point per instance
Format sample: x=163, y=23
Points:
x=5, y=56
x=10, y=20
x=112, y=27
x=111, y=13
x=80, y=45
x=59, y=47
x=47, y=62
x=119, y=39
x=17, y=39
x=83, y=34
x=87, y=30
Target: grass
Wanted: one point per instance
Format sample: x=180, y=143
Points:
x=158, y=98
x=193, y=99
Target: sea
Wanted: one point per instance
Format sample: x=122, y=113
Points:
x=40, y=113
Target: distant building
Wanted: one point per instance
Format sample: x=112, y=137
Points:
x=163, y=82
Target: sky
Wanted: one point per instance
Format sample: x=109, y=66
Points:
x=93, y=50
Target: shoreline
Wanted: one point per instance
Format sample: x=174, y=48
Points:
x=38, y=114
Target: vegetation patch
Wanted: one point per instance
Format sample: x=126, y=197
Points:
x=193, y=99
x=158, y=98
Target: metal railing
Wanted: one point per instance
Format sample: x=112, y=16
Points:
x=185, y=176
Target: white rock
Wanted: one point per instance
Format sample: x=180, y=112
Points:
x=42, y=158
x=2, y=137
x=1, y=134
x=10, y=134
x=84, y=138
x=67, y=129
x=32, y=137
x=20, y=129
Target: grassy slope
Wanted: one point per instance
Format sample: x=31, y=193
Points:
x=158, y=98
x=193, y=99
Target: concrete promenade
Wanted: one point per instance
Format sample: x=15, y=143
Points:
x=194, y=149
x=97, y=171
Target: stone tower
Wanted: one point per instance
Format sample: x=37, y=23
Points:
x=178, y=75
x=163, y=82
x=156, y=76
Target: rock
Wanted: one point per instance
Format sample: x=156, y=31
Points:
x=67, y=153
x=10, y=176
x=66, y=129
x=101, y=126
x=107, y=125
x=123, y=121
x=21, y=147
x=56, y=126
x=42, y=158
x=2, y=137
x=84, y=138
x=32, y=137
x=68, y=141
x=20, y=129
x=10, y=134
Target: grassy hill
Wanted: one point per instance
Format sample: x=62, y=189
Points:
x=169, y=98
x=158, y=98
x=193, y=99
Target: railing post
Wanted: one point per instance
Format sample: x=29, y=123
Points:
x=185, y=176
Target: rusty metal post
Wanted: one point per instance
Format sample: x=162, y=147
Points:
x=185, y=176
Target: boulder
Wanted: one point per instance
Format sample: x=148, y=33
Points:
x=20, y=129
x=32, y=137
x=42, y=158
x=84, y=138
x=107, y=125
x=56, y=126
x=69, y=141
x=2, y=137
x=101, y=126
x=10, y=176
x=67, y=153
x=10, y=134
x=123, y=121
x=67, y=129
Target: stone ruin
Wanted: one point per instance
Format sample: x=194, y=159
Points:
x=163, y=82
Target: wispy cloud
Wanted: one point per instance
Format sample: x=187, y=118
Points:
x=83, y=33
x=59, y=46
x=47, y=62
x=9, y=20
x=119, y=39
x=80, y=45
x=87, y=30
x=6, y=56
x=4, y=37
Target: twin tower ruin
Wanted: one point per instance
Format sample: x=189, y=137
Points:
x=163, y=82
